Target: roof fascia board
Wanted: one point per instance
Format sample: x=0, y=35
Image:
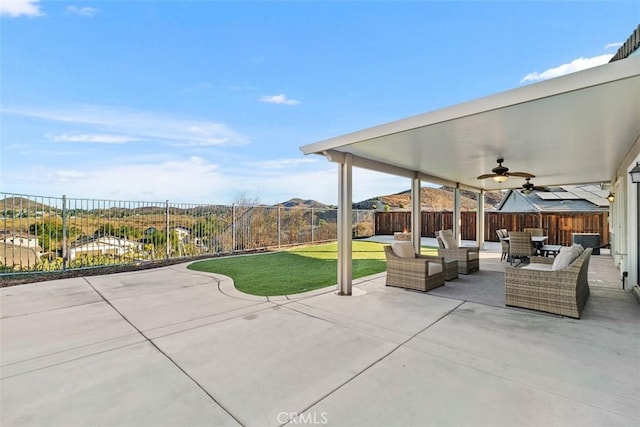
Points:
x=607, y=73
x=361, y=162
x=439, y=181
x=375, y=165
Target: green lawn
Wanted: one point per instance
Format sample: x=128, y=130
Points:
x=295, y=270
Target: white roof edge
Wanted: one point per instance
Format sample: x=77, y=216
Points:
x=606, y=73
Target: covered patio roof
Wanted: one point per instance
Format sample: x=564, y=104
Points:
x=569, y=130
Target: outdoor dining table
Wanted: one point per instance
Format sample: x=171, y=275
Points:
x=538, y=241
x=535, y=239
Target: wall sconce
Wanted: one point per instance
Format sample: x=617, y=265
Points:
x=635, y=173
x=611, y=197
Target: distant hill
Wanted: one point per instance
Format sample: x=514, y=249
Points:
x=22, y=203
x=300, y=203
x=432, y=199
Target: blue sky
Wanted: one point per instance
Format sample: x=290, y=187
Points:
x=208, y=101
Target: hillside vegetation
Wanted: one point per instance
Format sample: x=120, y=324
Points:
x=432, y=199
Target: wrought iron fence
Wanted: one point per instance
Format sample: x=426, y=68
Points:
x=41, y=234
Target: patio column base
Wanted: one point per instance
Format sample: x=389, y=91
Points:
x=636, y=292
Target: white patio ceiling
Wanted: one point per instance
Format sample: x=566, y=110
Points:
x=569, y=130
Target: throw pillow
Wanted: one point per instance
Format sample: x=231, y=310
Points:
x=403, y=249
x=566, y=256
x=576, y=252
x=579, y=247
x=447, y=240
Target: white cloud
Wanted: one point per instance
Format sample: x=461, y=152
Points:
x=67, y=175
x=283, y=163
x=320, y=183
x=92, y=138
x=141, y=125
x=82, y=11
x=186, y=180
x=616, y=45
x=573, y=66
x=16, y=8
x=214, y=177
x=368, y=184
x=192, y=180
x=279, y=99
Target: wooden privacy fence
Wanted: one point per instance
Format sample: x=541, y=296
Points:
x=559, y=226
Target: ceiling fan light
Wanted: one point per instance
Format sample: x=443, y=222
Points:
x=499, y=178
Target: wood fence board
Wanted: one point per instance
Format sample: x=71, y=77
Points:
x=559, y=226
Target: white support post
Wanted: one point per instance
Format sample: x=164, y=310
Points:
x=456, y=214
x=480, y=221
x=416, y=214
x=345, y=223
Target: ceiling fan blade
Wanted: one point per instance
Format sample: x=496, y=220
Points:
x=522, y=174
x=487, y=175
x=541, y=189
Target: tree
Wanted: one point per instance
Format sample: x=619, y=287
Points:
x=50, y=235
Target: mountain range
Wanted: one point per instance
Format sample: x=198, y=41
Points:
x=432, y=199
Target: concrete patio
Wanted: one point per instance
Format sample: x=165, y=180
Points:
x=174, y=347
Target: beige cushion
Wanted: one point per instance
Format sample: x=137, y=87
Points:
x=434, y=268
x=536, y=266
x=566, y=256
x=579, y=247
x=447, y=239
x=576, y=251
x=403, y=249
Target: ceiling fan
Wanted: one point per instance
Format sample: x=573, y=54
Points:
x=501, y=173
x=528, y=187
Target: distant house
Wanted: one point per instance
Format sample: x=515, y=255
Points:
x=576, y=198
x=183, y=233
x=19, y=249
x=105, y=245
x=20, y=239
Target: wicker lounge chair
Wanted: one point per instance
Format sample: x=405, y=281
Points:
x=420, y=273
x=467, y=256
x=564, y=291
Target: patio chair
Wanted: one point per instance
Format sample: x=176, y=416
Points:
x=407, y=270
x=535, y=231
x=502, y=233
x=468, y=257
x=520, y=246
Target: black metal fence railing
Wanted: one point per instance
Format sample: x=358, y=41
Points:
x=44, y=234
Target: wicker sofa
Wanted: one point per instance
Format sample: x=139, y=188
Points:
x=535, y=286
x=417, y=272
